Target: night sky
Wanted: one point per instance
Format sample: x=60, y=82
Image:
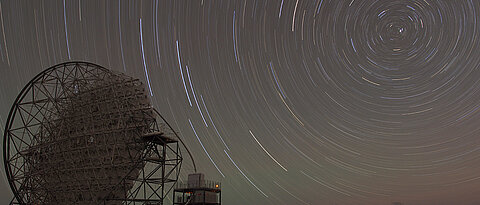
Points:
x=284, y=101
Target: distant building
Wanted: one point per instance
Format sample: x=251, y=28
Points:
x=197, y=191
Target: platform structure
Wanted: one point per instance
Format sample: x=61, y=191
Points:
x=158, y=172
x=197, y=191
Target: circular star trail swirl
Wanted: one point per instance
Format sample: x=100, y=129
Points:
x=289, y=101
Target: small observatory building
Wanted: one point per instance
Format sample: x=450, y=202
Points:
x=197, y=191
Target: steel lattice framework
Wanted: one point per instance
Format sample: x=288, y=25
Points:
x=79, y=133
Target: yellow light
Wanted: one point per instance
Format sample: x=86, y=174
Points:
x=216, y=185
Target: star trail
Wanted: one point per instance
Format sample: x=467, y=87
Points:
x=284, y=102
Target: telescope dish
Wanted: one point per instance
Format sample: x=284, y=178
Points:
x=80, y=133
